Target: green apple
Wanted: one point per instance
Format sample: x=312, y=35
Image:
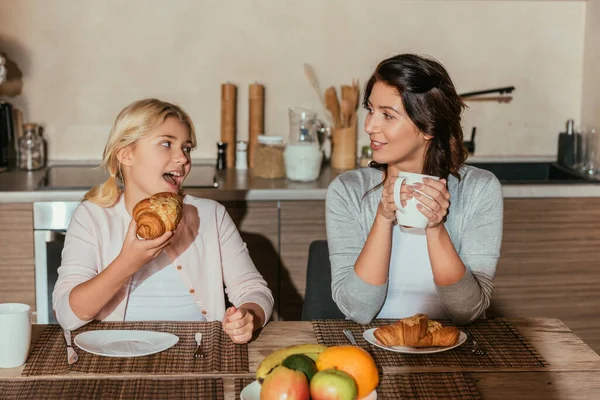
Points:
x=333, y=384
x=285, y=384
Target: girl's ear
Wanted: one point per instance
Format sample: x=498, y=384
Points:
x=125, y=156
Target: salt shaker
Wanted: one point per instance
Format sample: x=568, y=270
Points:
x=32, y=151
x=241, y=155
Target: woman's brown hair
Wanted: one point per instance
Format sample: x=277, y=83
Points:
x=432, y=104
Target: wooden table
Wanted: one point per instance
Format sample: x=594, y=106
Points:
x=574, y=371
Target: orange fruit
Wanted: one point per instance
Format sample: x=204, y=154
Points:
x=356, y=362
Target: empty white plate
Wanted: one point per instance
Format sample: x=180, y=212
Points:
x=369, y=337
x=252, y=392
x=121, y=343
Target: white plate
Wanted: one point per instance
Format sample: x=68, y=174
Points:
x=252, y=392
x=118, y=343
x=369, y=337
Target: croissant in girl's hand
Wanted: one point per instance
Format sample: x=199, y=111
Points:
x=157, y=214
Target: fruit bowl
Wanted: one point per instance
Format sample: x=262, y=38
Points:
x=315, y=371
x=252, y=392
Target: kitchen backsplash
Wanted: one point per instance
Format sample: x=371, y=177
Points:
x=591, y=77
x=83, y=61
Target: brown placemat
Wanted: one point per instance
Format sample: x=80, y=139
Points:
x=423, y=386
x=49, y=356
x=126, y=389
x=240, y=384
x=505, y=346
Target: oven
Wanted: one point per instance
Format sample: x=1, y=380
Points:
x=50, y=223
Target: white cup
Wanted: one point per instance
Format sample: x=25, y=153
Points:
x=15, y=334
x=410, y=215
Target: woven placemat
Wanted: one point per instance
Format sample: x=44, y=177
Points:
x=49, y=356
x=505, y=346
x=126, y=389
x=240, y=384
x=422, y=386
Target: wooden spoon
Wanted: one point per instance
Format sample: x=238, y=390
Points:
x=356, y=97
x=333, y=104
x=346, y=113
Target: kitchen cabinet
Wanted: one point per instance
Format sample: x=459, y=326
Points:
x=17, y=268
x=258, y=223
x=301, y=223
x=278, y=235
x=549, y=264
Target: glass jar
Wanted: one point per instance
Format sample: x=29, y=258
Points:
x=32, y=151
x=268, y=157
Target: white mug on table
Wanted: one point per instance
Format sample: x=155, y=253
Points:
x=15, y=334
x=410, y=214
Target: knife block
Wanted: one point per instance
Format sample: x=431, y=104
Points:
x=343, y=153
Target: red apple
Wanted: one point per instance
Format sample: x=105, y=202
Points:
x=333, y=384
x=285, y=384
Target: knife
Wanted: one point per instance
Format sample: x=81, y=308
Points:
x=350, y=337
x=72, y=356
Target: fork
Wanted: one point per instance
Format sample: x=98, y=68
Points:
x=72, y=356
x=477, y=349
x=198, y=353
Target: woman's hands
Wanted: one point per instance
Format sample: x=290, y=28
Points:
x=435, y=198
x=238, y=323
x=387, y=208
x=433, y=195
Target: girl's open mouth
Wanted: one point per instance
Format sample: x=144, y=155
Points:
x=173, y=178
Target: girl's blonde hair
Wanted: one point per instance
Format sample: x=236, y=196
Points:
x=133, y=122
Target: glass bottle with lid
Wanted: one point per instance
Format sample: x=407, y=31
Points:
x=32, y=151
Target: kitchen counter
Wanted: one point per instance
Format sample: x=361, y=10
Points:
x=229, y=185
x=22, y=186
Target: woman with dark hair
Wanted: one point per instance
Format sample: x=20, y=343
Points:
x=383, y=270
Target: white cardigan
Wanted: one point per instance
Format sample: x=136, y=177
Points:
x=208, y=252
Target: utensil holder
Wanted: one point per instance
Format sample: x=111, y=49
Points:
x=343, y=155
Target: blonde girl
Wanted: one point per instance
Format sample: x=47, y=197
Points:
x=108, y=274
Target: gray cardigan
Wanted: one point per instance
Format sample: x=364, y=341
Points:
x=474, y=224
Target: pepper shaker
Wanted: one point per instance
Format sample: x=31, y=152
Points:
x=221, y=155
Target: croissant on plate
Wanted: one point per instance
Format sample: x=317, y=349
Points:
x=405, y=332
x=417, y=331
x=157, y=214
x=439, y=335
